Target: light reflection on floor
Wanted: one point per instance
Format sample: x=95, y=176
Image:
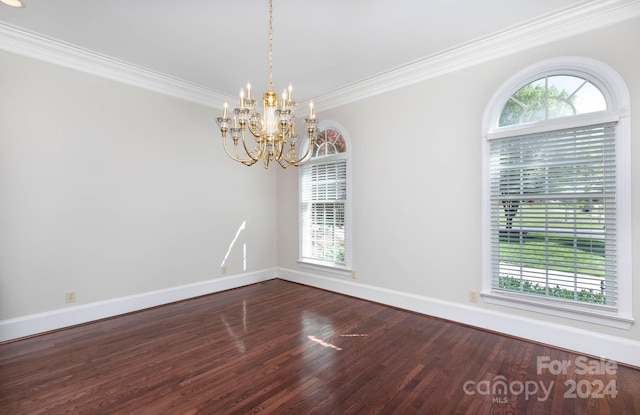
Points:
x=323, y=343
x=236, y=338
x=323, y=352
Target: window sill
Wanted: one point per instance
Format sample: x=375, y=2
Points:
x=559, y=308
x=323, y=266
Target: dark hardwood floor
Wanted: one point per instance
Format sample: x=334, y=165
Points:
x=283, y=348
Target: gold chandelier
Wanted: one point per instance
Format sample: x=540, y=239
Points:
x=273, y=131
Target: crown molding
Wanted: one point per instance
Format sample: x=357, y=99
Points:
x=16, y=40
x=551, y=27
x=554, y=26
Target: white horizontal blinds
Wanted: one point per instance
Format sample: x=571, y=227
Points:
x=324, y=194
x=553, y=214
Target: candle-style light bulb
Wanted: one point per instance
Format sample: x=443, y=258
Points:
x=290, y=89
x=248, y=90
x=224, y=113
x=311, y=114
x=241, y=97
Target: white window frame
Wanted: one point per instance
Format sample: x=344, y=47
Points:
x=617, y=97
x=320, y=265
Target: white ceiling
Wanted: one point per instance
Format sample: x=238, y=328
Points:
x=319, y=46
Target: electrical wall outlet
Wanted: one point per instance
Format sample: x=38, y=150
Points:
x=70, y=296
x=353, y=274
x=223, y=270
x=473, y=296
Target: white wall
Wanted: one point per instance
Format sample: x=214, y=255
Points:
x=417, y=187
x=114, y=191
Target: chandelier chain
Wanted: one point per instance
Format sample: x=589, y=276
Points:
x=270, y=44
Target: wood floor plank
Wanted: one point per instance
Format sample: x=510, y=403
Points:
x=283, y=348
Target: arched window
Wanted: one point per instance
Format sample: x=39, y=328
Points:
x=325, y=200
x=556, y=231
x=552, y=97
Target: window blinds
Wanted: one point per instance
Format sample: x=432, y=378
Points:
x=553, y=210
x=323, y=198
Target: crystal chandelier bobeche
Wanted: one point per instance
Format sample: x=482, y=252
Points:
x=273, y=131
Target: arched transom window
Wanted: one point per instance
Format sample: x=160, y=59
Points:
x=552, y=97
x=328, y=142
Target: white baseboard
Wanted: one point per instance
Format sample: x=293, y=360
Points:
x=581, y=341
x=52, y=320
x=565, y=337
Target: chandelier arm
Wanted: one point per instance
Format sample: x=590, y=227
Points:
x=283, y=165
x=280, y=147
x=256, y=134
x=286, y=156
x=284, y=160
x=289, y=157
x=291, y=161
x=307, y=154
x=255, y=157
x=247, y=162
